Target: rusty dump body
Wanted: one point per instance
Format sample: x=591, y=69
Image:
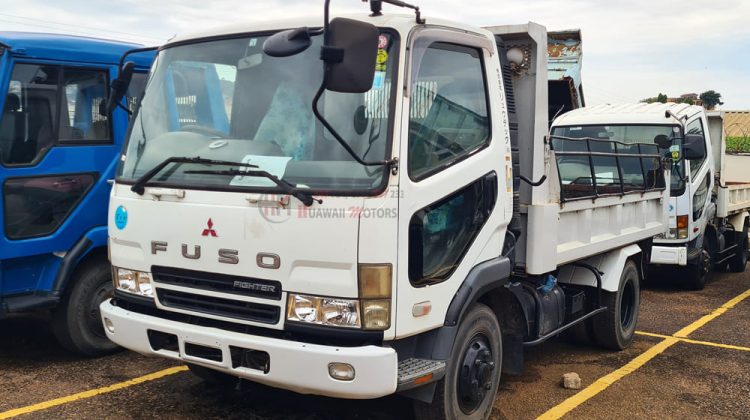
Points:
x=564, y=59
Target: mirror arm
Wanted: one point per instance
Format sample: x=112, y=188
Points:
x=341, y=141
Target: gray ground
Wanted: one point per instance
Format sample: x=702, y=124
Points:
x=686, y=381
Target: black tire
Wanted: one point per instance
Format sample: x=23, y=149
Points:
x=614, y=329
x=213, y=377
x=698, y=273
x=77, y=321
x=738, y=263
x=476, y=355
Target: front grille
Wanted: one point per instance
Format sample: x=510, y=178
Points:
x=244, y=286
x=247, y=311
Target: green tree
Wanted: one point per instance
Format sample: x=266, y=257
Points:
x=710, y=99
x=658, y=98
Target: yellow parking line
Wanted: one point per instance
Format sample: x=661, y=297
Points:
x=91, y=393
x=602, y=383
x=705, y=319
x=703, y=343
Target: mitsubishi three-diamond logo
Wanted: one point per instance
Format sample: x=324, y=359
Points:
x=209, y=231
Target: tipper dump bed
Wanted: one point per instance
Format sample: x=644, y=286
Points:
x=598, y=194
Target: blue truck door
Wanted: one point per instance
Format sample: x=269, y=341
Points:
x=56, y=152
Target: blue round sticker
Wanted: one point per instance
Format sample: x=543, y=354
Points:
x=121, y=218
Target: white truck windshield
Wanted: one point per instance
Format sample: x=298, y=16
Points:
x=227, y=100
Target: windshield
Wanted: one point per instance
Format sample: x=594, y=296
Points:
x=629, y=134
x=227, y=100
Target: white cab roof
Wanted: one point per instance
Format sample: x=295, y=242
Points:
x=400, y=22
x=637, y=113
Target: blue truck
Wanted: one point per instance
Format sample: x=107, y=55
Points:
x=58, y=150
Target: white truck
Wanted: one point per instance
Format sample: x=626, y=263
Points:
x=355, y=227
x=710, y=188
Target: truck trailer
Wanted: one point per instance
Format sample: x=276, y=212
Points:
x=364, y=206
x=710, y=194
x=57, y=152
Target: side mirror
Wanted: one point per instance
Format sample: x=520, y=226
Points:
x=662, y=141
x=350, y=55
x=287, y=43
x=119, y=88
x=694, y=147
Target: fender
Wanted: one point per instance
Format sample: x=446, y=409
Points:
x=93, y=239
x=611, y=264
x=485, y=276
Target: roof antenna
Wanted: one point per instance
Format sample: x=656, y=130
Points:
x=376, y=7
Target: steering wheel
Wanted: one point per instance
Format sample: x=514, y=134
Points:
x=206, y=131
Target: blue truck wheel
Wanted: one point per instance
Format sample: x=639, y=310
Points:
x=77, y=323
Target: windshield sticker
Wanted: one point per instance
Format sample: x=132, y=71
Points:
x=379, y=80
x=381, y=61
x=675, y=149
x=382, y=42
x=253, y=42
x=274, y=165
x=121, y=217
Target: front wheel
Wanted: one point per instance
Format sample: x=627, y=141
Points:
x=615, y=328
x=77, y=323
x=699, y=272
x=473, y=373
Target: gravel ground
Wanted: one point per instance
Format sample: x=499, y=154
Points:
x=686, y=381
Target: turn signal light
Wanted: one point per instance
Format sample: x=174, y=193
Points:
x=682, y=222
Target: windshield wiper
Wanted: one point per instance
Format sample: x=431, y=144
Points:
x=140, y=183
x=305, y=197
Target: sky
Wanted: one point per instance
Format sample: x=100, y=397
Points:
x=631, y=49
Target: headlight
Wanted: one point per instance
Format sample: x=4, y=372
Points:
x=135, y=282
x=328, y=311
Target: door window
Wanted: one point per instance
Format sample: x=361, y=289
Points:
x=38, y=206
x=441, y=233
x=47, y=104
x=695, y=127
x=448, y=117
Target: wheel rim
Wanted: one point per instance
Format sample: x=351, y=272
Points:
x=475, y=376
x=706, y=262
x=93, y=315
x=627, y=306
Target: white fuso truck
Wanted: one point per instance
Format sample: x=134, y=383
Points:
x=710, y=188
x=388, y=219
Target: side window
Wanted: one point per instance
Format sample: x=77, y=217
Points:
x=37, y=206
x=135, y=90
x=46, y=104
x=448, y=116
x=80, y=120
x=699, y=199
x=695, y=127
x=29, y=120
x=440, y=234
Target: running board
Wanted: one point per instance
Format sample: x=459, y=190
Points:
x=547, y=336
x=414, y=372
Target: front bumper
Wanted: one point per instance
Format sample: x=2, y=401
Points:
x=296, y=366
x=669, y=255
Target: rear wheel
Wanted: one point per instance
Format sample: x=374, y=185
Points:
x=615, y=328
x=473, y=373
x=739, y=261
x=77, y=322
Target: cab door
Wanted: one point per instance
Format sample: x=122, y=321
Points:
x=55, y=148
x=700, y=182
x=451, y=171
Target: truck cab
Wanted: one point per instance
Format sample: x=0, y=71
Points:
x=364, y=206
x=57, y=152
x=708, y=205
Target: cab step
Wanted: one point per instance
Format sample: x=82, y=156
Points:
x=414, y=372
